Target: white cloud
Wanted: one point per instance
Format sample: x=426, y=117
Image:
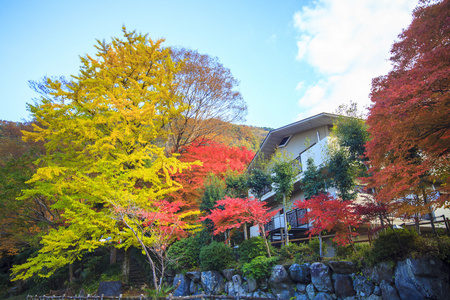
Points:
x=347, y=42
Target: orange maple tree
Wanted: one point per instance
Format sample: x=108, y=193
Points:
x=409, y=122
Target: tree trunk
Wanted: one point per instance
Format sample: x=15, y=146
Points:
x=265, y=239
x=285, y=220
x=245, y=232
x=126, y=266
x=320, y=246
x=430, y=212
x=113, y=255
x=416, y=223
x=71, y=278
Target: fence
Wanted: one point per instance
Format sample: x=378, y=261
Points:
x=142, y=297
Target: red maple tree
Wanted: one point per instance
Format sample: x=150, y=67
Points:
x=409, y=150
x=216, y=158
x=231, y=213
x=327, y=213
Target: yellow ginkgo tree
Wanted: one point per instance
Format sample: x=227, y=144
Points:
x=104, y=132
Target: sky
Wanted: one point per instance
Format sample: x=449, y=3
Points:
x=293, y=58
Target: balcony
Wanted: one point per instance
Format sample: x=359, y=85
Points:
x=292, y=217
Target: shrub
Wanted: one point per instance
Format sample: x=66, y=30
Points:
x=444, y=248
x=185, y=252
x=288, y=253
x=393, y=246
x=215, y=257
x=260, y=267
x=301, y=253
x=252, y=248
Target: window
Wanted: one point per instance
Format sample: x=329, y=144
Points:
x=284, y=141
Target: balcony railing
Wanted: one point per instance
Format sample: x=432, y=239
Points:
x=293, y=218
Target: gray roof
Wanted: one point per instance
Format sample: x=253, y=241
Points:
x=274, y=137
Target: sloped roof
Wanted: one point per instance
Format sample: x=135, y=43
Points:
x=274, y=137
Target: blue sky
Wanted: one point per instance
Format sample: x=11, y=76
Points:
x=293, y=58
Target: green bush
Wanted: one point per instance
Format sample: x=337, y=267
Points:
x=251, y=248
x=301, y=253
x=393, y=246
x=444, y=248
x=185, y=253
x=215, y=257
x=260, y=267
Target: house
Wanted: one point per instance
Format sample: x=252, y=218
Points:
x=304, y=139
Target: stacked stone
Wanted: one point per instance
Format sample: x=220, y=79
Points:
x=426, y=278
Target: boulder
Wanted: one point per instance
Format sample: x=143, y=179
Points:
x=343, y=285
x=422, y=278
x=381, y=271
x=377, y=291
x=363, y=287
x=342, y=267
x=263, y=284
x=311, y=291
x=323, y=296
x=301, y=288
x=182, y=285
x=194, y=288
x=228, y=274
x=212, y=282
x=373, y=297
x=388, y=292
x=280, y=283
x=300, y=273
x=252, y=285
x=194, y=276
x=301, y=297
x=321, y=277
x=110, y=288
x=259, y=294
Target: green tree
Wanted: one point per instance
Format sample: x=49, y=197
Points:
x=215, y=190
x=313, y=180
x=284, y=170
x=101, y=132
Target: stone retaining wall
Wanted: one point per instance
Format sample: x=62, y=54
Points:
x=426, y=278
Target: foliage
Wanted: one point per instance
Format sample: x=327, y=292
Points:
x=330, y=214
x=351, y=131
x=300, y=253
x=259, y=181
x=236, y=184
x=260, y=267
x=215, y=257
x=251, y=248
x=393, y=245
x=21, y=222
x=313, y=181
x=101, y=131
x=284, y=171
x=156, y=230
x=232, y=213
x=343, y=171
x=185, y=252
x=408, y=119
x=208, y=89
x=218, y=159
